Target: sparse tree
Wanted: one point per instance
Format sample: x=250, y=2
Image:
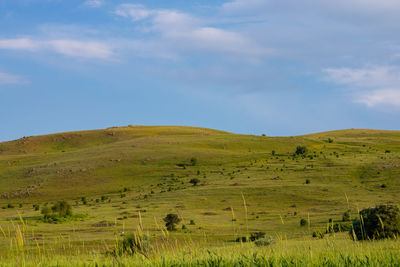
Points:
x=194, y=181
x=171, y=220
x=301, y=150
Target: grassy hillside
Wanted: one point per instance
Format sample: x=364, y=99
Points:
x=143, y=173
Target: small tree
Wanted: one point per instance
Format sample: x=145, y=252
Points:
x=194, y=181
x=301, y=150
x=171, y=220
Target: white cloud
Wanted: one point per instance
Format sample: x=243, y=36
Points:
x=6, y=78
x=81, y=49
x=374, y=76
x=373, y=85
x=71, y=48
x=182, y=32
x=381, y=97
x=94, y=3
x=134, y=11
x=18, y=44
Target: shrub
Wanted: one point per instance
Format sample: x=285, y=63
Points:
x=84, y=201
x=194, y=181
x=170, y=221
x=133, y=243
x=242, y=239
x=265, y=241
x=318, y=234
x=46, y=211
x=303, y=222
x=35, y=206
x=58, y=212
x=192, y=222
x=273, y=152
x=377, y=223
x=256, y=235
x=301, y=150
x=308, y=181
x=346, y=216
x=62, y=209
x=339, y=227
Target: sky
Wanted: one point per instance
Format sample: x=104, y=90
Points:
x=274, y=67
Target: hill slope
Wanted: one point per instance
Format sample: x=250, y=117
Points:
x=346, y=169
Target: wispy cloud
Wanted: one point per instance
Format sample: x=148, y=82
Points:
x=6, y=78
x=381, y=97
x=94, y=3
x=71, y=48
x=370, y=7
x=184, y=32
x=373, y=85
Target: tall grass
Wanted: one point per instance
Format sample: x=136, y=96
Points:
x=25, y=250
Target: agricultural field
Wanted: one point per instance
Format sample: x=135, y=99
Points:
x=223, y=187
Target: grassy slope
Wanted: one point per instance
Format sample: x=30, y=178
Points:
x=102, y=162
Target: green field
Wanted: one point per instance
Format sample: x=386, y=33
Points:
x=133, y=176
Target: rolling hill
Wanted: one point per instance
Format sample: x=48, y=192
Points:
x=124, y=171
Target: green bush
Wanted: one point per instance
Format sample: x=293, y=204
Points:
x=265, y=241
x=377, y=223
x=303, y=222
x=133, y=243
x=58, y=212
x=318, y=234
x=301, y=150
x=346, y=216
x=194, y=181
x=339, y=227
x=256, y=235
x=62, y=209
x=171, y=220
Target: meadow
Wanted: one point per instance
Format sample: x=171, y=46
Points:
x=124, y=180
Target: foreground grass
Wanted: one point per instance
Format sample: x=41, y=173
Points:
x=332, y=251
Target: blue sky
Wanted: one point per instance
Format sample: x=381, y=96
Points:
x=246, y=66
